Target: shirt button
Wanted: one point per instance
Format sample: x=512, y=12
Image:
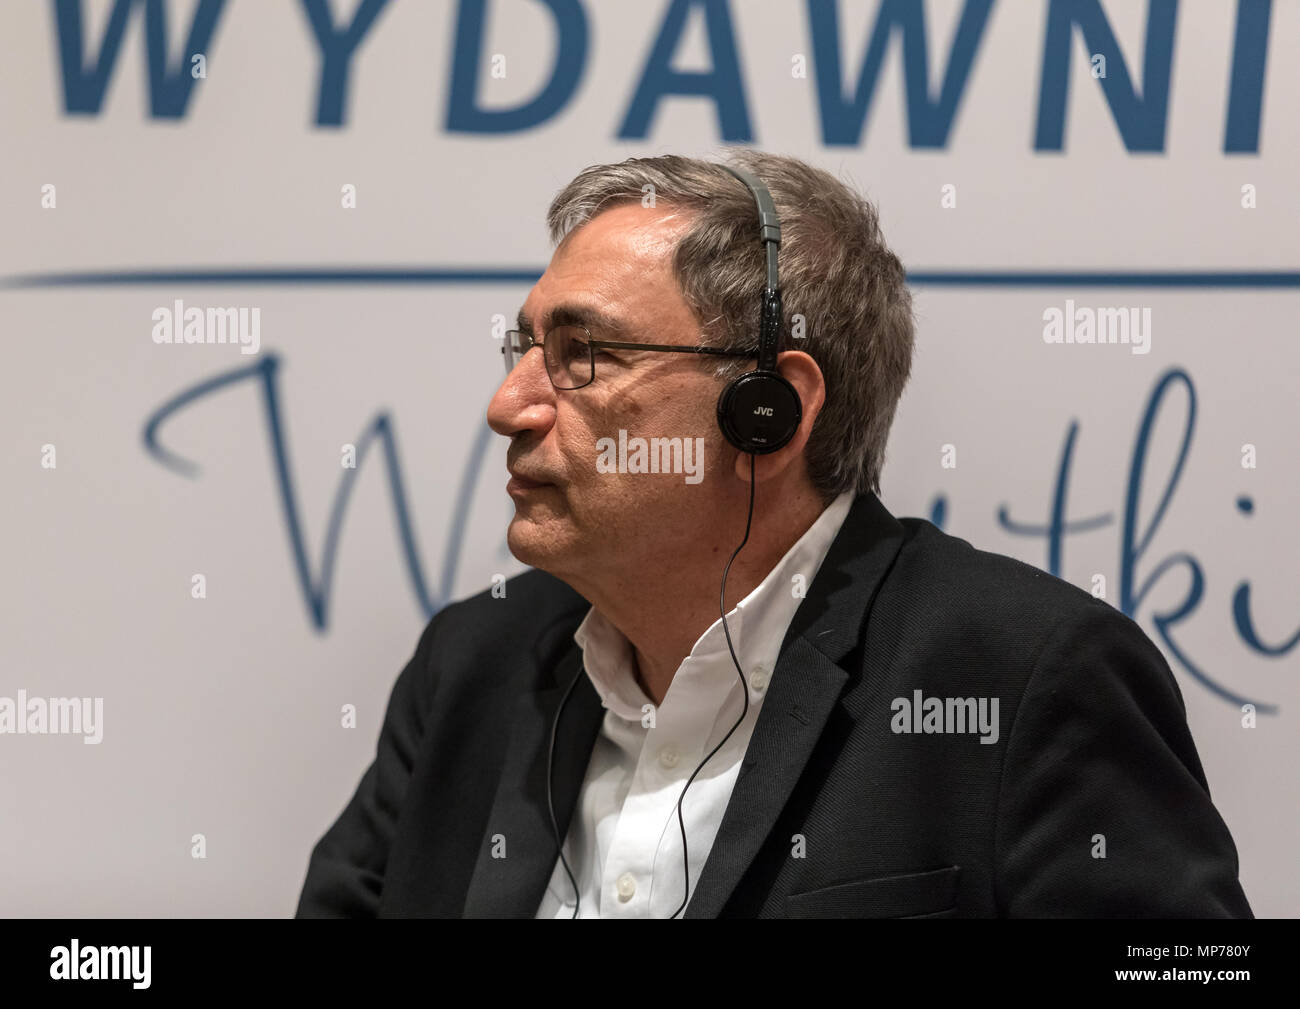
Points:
x=758, y=679
x=626, y=887
x=668, y=757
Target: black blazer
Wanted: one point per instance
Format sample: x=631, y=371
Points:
x=1093, y=750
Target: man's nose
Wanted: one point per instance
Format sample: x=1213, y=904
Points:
x=525, y=401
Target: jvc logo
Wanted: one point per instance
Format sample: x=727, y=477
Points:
x=762, y=411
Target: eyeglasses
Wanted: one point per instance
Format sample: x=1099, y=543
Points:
x=570, y=353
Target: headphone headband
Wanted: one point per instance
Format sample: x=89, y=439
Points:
x=760, y=411
x=769, y=225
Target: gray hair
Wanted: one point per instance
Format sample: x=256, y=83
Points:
x=838, y=278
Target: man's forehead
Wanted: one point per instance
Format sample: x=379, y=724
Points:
x=604, y=269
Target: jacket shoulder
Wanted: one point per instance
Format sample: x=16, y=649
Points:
x=947, y=564
x=969, y=601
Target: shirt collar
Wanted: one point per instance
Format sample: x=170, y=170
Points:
x=767, y=611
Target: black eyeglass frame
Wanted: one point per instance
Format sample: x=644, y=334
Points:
x=593, y=345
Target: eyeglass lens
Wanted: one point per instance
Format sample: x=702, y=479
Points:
x=568, y=357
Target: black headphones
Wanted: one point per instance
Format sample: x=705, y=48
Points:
x=759, y=412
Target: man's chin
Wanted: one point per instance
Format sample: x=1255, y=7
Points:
x=533, y=543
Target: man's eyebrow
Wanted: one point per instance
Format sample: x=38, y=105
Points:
x=600, y=323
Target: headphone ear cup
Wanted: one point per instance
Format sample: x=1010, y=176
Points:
x=759, y=412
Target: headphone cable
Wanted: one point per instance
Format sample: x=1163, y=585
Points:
x=550, y=805
x=744, y=691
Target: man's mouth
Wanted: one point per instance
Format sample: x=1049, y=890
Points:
x=519, y=482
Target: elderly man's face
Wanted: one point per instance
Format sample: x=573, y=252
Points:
x=614, y=273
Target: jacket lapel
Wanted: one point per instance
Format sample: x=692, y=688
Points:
x=805, y=687
x=512, y=886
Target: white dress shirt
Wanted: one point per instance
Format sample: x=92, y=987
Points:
x=624, y=843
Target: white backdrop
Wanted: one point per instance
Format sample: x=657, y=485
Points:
x=222, y=714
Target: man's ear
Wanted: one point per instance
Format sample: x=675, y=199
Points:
x=800, y=371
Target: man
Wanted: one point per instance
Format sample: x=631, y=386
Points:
x=909, y=727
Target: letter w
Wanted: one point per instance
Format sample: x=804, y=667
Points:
x=169, y=93
x=317, y=590
x=928, y=122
